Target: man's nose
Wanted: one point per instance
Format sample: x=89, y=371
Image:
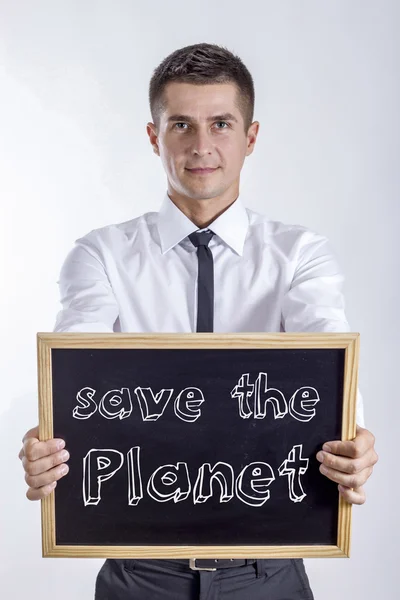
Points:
x=202, y=143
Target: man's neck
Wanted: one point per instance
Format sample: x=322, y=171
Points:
x=202, y=212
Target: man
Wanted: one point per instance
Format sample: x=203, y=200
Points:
x=203, y=263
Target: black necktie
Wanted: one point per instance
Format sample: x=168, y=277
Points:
x=205, y=280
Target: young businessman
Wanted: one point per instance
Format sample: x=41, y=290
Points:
x=204, y=262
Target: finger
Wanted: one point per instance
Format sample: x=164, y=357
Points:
x=356, y=496
x=34, y=449
x=356, y=448
x=42, y=465
x=38, y=494
x=32, y=433
x=351, y=481
x=347, y=465
x=37, y=481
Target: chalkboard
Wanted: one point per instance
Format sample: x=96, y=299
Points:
x=196, y=445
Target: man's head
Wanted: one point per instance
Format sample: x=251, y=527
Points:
x=202, y=103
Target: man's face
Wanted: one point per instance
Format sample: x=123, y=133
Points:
x=202, y=128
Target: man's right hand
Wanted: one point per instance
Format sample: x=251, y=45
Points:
x=43, y=462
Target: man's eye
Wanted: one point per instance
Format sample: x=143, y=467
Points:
x=224, y=122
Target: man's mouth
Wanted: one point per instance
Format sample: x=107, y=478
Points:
x=202, y=171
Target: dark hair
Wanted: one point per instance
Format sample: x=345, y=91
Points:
x=202, y=64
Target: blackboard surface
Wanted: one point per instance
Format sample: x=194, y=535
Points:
x=218, y=434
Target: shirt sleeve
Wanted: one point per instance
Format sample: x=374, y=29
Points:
x=315, y=302
x=87, y=299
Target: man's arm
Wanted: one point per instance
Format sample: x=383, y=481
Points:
x=88, y=305
x=315, y=303
x=88, y=302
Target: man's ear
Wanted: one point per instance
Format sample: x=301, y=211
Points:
x=153, y=136
x=252, y=137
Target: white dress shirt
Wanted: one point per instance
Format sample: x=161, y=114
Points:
x=141, y=276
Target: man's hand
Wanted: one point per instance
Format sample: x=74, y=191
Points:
x=350, y=464
x=43, y=463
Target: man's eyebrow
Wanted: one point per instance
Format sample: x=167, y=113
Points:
x=223, y=117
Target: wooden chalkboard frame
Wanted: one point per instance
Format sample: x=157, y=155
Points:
x=349, y=342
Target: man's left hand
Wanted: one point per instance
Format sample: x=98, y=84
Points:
x=350, y=464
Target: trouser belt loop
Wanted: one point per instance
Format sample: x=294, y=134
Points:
x=260, y=567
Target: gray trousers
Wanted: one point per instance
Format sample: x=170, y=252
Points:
x=271, y=579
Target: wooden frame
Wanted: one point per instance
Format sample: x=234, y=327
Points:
x=47, y=341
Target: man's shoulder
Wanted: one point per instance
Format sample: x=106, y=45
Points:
x=280, y=232
x=124, y=230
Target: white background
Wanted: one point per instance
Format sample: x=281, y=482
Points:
x=74, y=155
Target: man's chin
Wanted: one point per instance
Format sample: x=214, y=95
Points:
x=199, y=192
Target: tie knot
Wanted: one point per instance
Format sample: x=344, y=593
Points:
x=201, y=238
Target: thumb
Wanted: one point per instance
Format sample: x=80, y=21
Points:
x=32, y=433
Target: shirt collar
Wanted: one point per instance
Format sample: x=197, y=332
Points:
x=174, y=226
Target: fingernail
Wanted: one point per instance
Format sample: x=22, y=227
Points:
x=326, y=448
x=64, y=469
x=60, y=444
x=65, y=455
x=53, y=485
x=320, y=456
